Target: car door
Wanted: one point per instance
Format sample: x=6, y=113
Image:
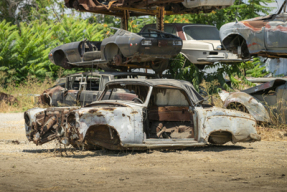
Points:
x=275, y=33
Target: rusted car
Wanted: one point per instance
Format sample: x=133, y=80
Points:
x=260, y=101
x=83, y=88
x=261, y=36
x=123, y=50
x=160, y=113
x=137, y=8
x=201, y=43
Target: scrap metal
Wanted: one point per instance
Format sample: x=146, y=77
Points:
x=164, y=113
x=146, y=7
x=261, y=36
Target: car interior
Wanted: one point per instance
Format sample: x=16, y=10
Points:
x=168, y=116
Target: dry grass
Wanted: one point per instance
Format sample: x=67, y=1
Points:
x=275, y=131
x=23, y=93
x=214, y=98
x=271, y=134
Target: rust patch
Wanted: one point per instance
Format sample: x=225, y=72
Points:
x=93, y=111
x=123, y=115
x=134, y=112
x=96, y=112
x=251, y=44
x=254, y=25
x=109, y=109
x=249, y=101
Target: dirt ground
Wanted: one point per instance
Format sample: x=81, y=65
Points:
x=260, y=166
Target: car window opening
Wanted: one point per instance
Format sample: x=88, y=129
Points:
x=201, y=33
x=168, y=115
x=135, y=93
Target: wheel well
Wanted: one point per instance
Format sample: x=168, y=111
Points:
x=219, y=137
x=58, y=57
x=104, y=136
x=232, y=42
x=237, y=106
x=111, y=50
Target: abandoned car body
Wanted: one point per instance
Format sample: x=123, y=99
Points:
x=162, y=113
x=262, y=36
x=201, y=43
x=83, y=88
x=260, y=101
x=137, y=8
x=122, y=50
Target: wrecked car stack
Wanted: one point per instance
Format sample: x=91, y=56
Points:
x=124, y=112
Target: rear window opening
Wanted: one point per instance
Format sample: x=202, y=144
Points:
x=201, y=33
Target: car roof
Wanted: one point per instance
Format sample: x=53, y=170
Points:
x=114, y=73
x=185, y=85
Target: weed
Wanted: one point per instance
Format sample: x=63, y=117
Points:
x=24, y=93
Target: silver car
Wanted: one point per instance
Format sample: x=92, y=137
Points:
x=262, y=36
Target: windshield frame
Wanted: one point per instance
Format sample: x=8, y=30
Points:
x=145, y=104
x=183, y=30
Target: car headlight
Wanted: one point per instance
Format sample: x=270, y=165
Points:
x=219, y=47
x=177, y=42
x=146, y=42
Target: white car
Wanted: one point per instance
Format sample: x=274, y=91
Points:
x=201, y=43
x=160, y=113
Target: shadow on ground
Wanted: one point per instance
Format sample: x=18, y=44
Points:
x=75, y=153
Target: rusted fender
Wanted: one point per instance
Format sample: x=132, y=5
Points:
x=126, y=121
x=30, y=118
x=251, y=31
x=254, y=107
x=241, y=126
x=46, y=96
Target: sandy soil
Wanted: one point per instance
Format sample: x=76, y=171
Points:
x=260, y=166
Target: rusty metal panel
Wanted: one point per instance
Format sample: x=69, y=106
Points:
x=241, y=125
x=255, y=108
x=276, y=35
x=137, y=8
x=127, y=121
x=252, y=33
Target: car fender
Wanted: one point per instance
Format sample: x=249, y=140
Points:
x=126, y=121
x=254, y=107
x=241, y=126
x=253, y=36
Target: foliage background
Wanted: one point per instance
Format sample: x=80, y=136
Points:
x=30, y=29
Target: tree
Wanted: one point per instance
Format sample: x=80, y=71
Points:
x=16, y=11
